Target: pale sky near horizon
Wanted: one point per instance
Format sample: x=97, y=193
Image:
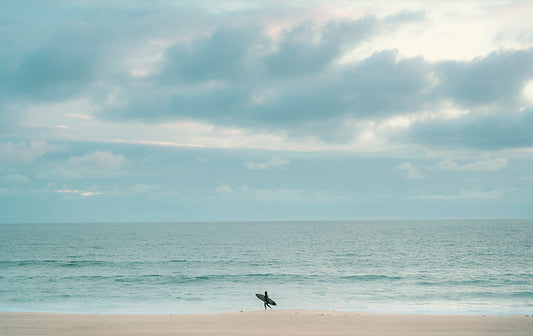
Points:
x=265, y=110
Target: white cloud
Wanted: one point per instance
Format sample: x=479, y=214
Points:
x=96, y=163
x=451, y=165
x=528, y=92
x=486, y=165
x=270, y=164
x=224, y=190
x=412, y=172
x=441, y=35
x=79, y=192
x=80, y=116
x=68, y=191
x=156, y=143
x=472, y=194
x=24, y=153
x=75, y=114
x=138, y=190
x=447, y=164
x=90, y=193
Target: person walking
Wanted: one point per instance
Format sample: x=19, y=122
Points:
x=266, y=301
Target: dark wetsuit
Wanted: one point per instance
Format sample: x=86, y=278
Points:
x=266, y=301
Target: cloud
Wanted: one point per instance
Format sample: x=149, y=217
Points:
x=496, y=78
x=273, y=72
x=59, y=52
x=266, y=74
x=275, y=163
x=360, y=91
x=224, y=190
x=462, y=195
x=97, y=161
x=97, y=164
x=492, y=90
x=291, y=81
x=60, y=68
x=374, y=88
x=15, y=179
x=382, y=85
x=486, y=165
x=412, y=172
x=293, y=195
x=306, y=49
x=217, y=57
x=24, y=153
x=80, y=116
x=296, y=195
x=155, y=143
x=141, y=188
x=78, y=192
x=492, y=131
x=127, y=191
x=378, y=87
x=405, y=16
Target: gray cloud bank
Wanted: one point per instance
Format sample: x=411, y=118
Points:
x=243, y=75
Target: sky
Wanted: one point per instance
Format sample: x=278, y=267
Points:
x=265, y=110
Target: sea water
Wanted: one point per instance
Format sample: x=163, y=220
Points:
x=454, y=266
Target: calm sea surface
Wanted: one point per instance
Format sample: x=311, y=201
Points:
x=378, y=266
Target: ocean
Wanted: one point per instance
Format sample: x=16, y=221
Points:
x=441, y=267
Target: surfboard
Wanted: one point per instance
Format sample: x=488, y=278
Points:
x=264, y=299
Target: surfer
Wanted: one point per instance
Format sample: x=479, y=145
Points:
x=266, y=301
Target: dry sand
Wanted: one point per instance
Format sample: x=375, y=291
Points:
x=276, y=322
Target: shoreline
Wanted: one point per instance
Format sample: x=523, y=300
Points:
x=260, y=322
x=286, y=310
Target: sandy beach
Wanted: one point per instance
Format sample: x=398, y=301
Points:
x=282, y=322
